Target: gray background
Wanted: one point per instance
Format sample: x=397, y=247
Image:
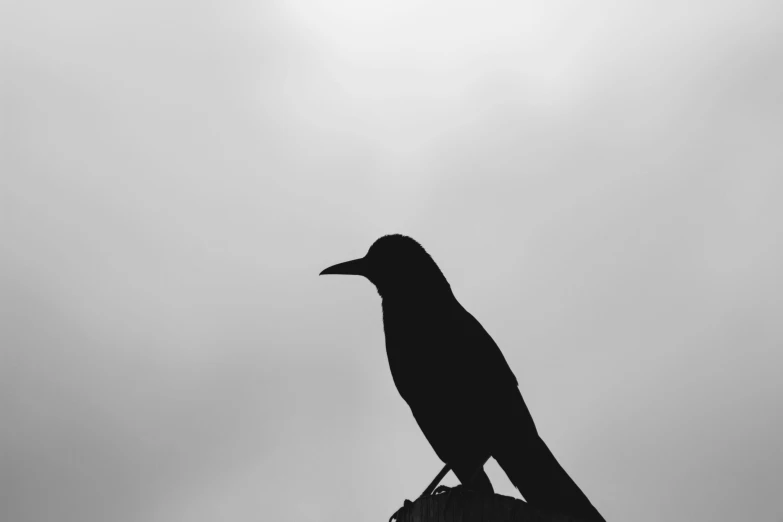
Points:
x=600, y=181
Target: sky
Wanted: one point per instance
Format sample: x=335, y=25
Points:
x=600, y=182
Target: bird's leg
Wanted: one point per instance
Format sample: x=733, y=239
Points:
x=436, y=481
x=467, y=485
x=476, y=480
x=426, y=492
x=478, y=473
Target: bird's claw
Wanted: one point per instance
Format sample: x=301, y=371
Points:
x=440, y=490
x=396, y=515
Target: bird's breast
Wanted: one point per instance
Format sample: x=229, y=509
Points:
x=416, y=346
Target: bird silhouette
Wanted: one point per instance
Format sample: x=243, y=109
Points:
x=456, y=381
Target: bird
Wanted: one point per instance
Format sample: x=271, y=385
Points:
x=456, y=381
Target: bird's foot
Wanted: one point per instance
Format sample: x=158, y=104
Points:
x=398, y=513
x=450, y=493
x=440, y=490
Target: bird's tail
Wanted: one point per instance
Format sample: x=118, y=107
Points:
x=535, y=472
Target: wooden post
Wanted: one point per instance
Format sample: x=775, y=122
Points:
x=467, y=506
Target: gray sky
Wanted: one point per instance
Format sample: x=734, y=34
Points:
x=600, y=182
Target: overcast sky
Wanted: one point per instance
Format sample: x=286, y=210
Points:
x=599, y=181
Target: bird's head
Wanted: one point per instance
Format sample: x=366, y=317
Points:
x=396, y=265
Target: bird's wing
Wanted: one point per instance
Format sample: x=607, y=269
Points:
x=480, y=355
x=469, y=392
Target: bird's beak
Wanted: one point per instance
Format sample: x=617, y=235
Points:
x=353, y=267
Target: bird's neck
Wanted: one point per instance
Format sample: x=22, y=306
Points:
x=400, y=300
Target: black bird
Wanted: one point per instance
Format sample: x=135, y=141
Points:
x=456, y=381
